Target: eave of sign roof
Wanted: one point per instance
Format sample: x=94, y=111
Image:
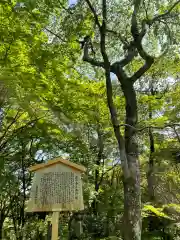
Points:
x=56, y=161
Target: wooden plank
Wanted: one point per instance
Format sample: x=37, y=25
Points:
x=55, y=161
x=55, y=226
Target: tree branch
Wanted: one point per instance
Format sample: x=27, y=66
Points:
x=18, y=115
x=138, y=36
x=131, y=53
x=108, y=170
x=159, y=17
x=124, y=41
x=175, y=131
x=104, y=10
x=66, y=9
x=87, y=58
x=146, y=9
x=15, y=131
x=94, y=13
x=103, y=36
x=141, y=71
x=147, y=127
x=55, y=34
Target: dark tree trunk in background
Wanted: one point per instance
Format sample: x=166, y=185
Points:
x=1, y=225
x=75, y=229
x=150, y=173
x=97, y=180
x=49, y=229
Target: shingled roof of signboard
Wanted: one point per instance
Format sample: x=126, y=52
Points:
x=58, y=160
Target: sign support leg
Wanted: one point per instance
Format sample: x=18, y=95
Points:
x=55, y=226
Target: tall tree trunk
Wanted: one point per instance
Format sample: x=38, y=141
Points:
x=150, y=173
x=129, y=157
x=97, y=180
x=127, y=146
x=132, y=191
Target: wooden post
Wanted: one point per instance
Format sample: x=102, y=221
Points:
x=55, y=226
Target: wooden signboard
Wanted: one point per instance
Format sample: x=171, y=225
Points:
x=56, y=187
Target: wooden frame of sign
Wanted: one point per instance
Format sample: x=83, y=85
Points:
x=56, y=187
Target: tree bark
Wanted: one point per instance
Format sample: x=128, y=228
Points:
x=128, y=152
x=132, y=191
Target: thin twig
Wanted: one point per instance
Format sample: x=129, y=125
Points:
x=146, y=9
x=147, y=127
x=177, y=135
x=104, y=173
x=11, y=124
x=118, y=35
x=156, y=18
x=66, y=9
x=55, y=34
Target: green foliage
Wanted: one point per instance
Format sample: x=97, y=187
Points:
x=51, y=104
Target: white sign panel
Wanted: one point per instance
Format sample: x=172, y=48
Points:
x=56, y=188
